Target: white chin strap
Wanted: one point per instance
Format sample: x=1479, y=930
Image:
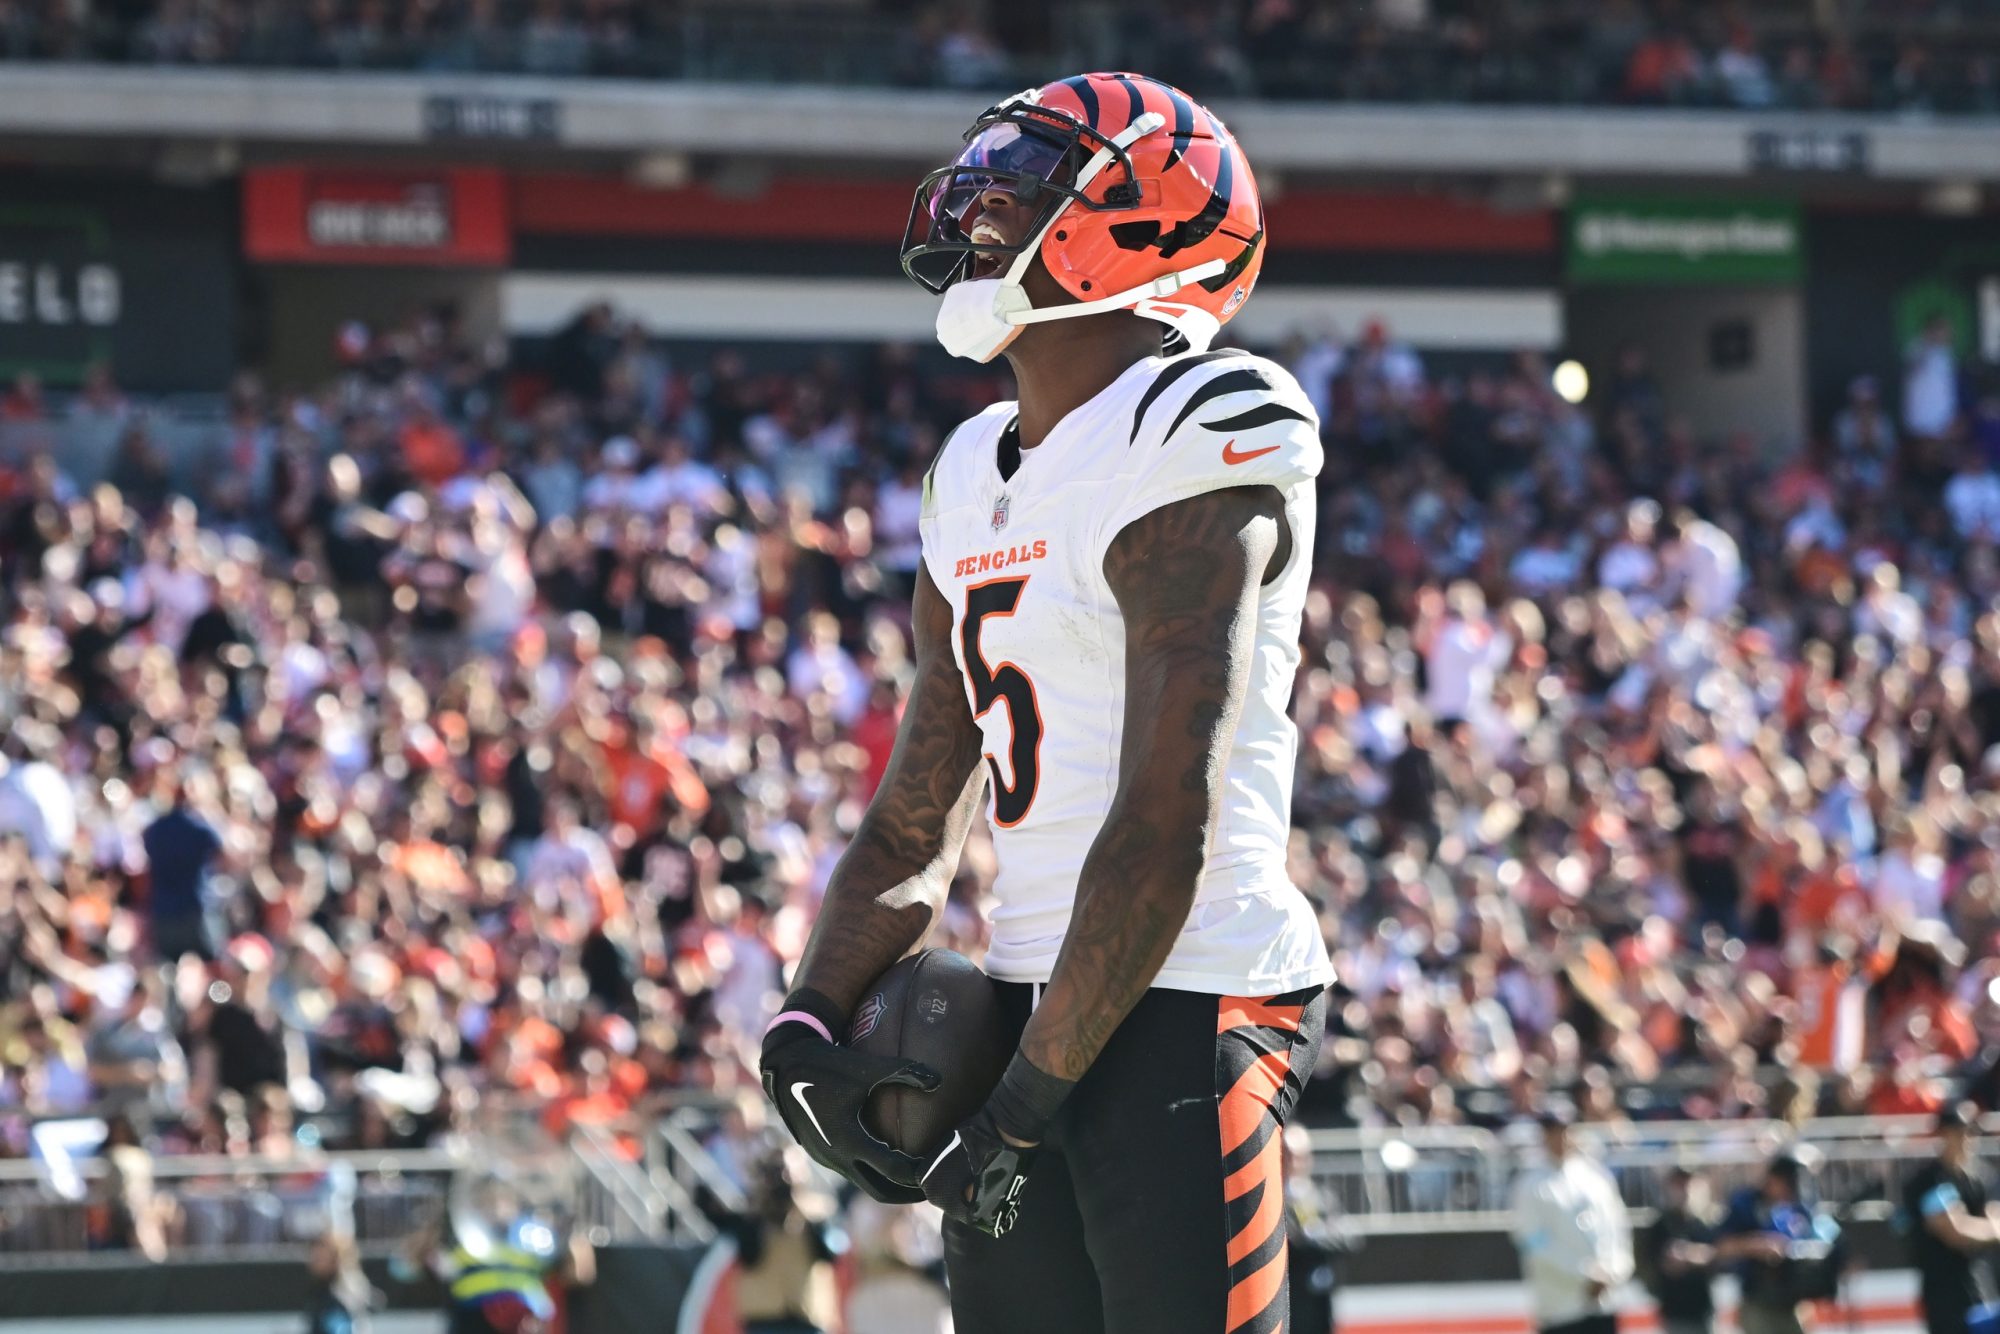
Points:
x=1165, y=285
x=979, y=317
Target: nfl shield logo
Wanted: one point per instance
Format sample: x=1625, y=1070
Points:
x=1000, y=514
x=867, y=1018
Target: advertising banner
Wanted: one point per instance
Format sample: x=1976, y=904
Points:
x=1640, y=239
x=304, y=215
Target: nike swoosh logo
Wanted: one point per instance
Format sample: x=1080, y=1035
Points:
x=799, y=1097
x=1233, y=456
x=946, y=1153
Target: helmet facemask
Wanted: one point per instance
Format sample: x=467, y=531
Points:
x=1052, y=160
x=1041, y=157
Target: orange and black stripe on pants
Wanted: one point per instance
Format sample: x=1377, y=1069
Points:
x=1255, y=1088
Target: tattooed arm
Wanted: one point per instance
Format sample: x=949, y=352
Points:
x=1186, y=577
x=890, y=883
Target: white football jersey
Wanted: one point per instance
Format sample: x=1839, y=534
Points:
x=1041, y=644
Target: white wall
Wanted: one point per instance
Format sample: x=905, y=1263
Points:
x=867, y=309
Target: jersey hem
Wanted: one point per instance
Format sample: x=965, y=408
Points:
x=1215, y=984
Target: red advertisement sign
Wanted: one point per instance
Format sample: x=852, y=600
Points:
x=307, y=215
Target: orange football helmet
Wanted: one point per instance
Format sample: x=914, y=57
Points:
x=1150, y=205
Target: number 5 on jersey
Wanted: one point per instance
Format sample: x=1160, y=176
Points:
x=990, y=685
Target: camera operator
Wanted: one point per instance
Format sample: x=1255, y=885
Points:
x=1952, y=1224
x=1786, y=1251
x=786, y=1246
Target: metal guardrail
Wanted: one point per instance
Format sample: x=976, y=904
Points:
x=64, y=1210
x=1410, y=1179
x=1382, y=1180
x=681, y=1165
x=617, y=1201
x=221, y=1206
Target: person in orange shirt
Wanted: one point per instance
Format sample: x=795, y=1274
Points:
x=1913, y=1000
x=875, y=733
x=644, y=776
x=592, y=1097
x=1832, y=995
x=432, y=451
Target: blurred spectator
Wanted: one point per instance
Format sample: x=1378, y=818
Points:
x=1680, y=1255
x=23, y=402
x=1952, y=1228
x=1780, y=1244
x=36, y=803
x=1930, y=381
x=1315, y=1241
x=1701, y=563
x=338, y=1294
x=1924, y=59
x=1575, y=1241
x=1973, y=497
x=1864, y=433
x=899, y=1270
x=1463, y=652
x=785, y=1247
x=181, y=848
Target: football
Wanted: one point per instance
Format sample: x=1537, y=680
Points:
x=937, y=1008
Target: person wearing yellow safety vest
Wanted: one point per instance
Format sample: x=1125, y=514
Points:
x=503, y=1277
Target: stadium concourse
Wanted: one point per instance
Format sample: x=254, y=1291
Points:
x=474, y=729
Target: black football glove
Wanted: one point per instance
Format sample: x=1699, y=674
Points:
x=820, y=1089
x=977, y=1177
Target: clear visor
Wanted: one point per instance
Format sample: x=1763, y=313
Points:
x=1033, y=159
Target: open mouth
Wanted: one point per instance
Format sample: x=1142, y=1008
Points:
x=987, y=265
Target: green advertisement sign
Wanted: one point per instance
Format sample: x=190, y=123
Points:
x=1640, y=240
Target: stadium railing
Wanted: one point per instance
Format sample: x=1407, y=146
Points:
x=259, y=1207
x=1400, y=1179
x=229, y=1206
x=1381, y=1180
x=619, y=1200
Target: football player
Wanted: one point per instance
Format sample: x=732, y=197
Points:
x=1106, y=627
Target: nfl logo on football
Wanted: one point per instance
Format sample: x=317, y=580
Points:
x=1000, y=514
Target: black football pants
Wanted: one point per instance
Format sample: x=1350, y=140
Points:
x=1156, y=1206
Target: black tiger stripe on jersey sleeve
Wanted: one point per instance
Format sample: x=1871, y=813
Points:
x=1261, y=415
x=1170, y=377
x=1249, y=377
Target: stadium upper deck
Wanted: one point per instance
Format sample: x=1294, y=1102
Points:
x=1853, y=55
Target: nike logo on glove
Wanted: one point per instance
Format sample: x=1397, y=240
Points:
x=1233, y=456
x=799, y=1097
x=946, y=1153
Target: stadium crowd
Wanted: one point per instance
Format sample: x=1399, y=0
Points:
x=1882, y=55
x=480, y=731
